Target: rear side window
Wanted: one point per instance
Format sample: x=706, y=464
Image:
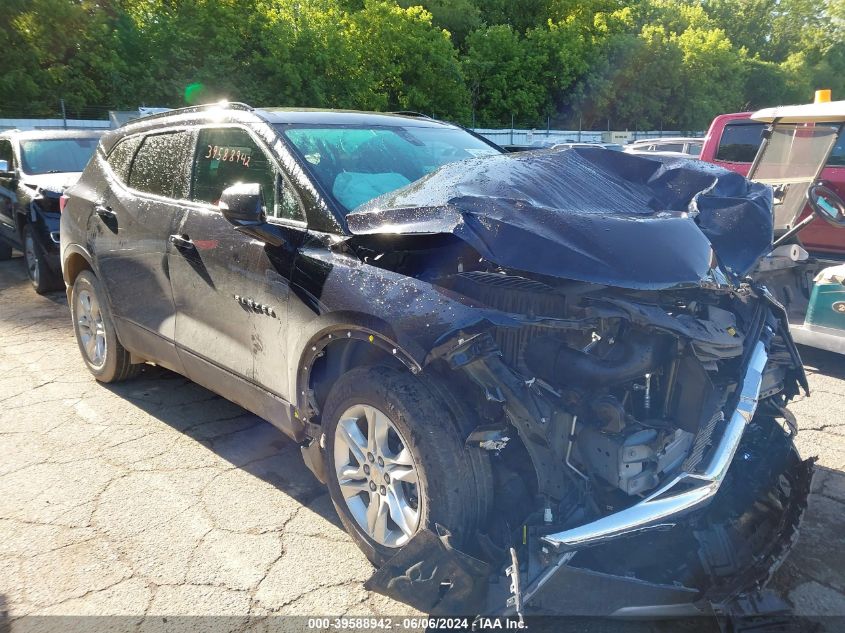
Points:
x=160, y=165
x=120, y=157
x=740, y=141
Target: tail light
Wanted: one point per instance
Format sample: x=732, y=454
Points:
x=62, y=202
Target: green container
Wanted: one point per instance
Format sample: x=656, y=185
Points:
x=827, y=305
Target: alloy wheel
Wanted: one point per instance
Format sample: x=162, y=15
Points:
x=92, y=333
x=377, y=475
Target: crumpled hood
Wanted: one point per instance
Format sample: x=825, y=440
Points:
x=588, y=215
x=53, y=183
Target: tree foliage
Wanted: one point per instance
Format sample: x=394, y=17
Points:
x=618, y=63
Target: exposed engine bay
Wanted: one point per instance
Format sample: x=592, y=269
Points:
x=613, y=415
x=617, y=413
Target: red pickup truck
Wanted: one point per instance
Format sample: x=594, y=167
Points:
x=733, y=141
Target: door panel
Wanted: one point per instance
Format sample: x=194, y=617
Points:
x=211, y=266
x=230, y=290
x=130, y=230
x=270, y=335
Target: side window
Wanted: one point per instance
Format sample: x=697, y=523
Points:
x=740, y=142
x=6, y=152
x=159, y=165
x=837, y=155
x=289, y=206
x=120, y=157
x=227, y=156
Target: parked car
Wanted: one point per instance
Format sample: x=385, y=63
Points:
x=733, y=142
x=523, y=377
x=669, y=146
x=615, y=147
x=35, y=168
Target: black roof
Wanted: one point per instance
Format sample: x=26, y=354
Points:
x=281, y=116
x=299, y=116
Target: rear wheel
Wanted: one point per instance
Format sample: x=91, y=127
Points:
x=42, y=278
x=93, y=325
x=397, y=462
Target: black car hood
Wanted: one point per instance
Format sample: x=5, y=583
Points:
x=588, y=215
x=52, y=183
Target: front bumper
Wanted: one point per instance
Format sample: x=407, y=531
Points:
x=728, y=551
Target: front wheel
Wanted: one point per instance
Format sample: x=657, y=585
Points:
x=397, y=462
x=5, y=251
x=93, y=325
x=42, y=278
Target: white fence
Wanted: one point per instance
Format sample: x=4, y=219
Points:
x=509, y=136
x=52, y=124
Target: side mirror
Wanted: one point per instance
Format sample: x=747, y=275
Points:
x=827, y=205
x=243, y=204
x=5, y=168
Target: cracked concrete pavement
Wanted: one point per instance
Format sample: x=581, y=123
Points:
x=156, y=497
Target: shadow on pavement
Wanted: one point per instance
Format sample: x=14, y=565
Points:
x=238, y=436
x=819, y=361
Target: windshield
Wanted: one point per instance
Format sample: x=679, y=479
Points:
x=790, y=162
x=57, y=155
x=357, y=164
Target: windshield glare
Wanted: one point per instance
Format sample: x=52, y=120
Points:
x=795, y=153
x=357, y=164
x=53, y=156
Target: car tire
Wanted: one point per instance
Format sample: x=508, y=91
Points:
x=453, y=484
x=42, y=278
x=5, y=252
x=96, y=336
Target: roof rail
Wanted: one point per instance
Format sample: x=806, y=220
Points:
x=227, y=105
x=411, y=113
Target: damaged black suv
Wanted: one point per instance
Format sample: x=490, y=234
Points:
x=531, y=382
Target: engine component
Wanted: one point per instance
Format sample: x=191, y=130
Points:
x=632, y=461
x=631, y=358
x=609, y=413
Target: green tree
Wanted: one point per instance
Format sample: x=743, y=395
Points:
x=505, y=77
x=405, y=62
x=459, y=17
x=54, y=50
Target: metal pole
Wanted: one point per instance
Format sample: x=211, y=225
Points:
x=579, y=129
x=548, y=126
x=511, y=129
x=64, y=114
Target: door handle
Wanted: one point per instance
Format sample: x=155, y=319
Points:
x=105, y=212
x=181, y=241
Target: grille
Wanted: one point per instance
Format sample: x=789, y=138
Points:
x=518, y=295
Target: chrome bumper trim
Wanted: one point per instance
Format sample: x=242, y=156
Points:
x=661, y=507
